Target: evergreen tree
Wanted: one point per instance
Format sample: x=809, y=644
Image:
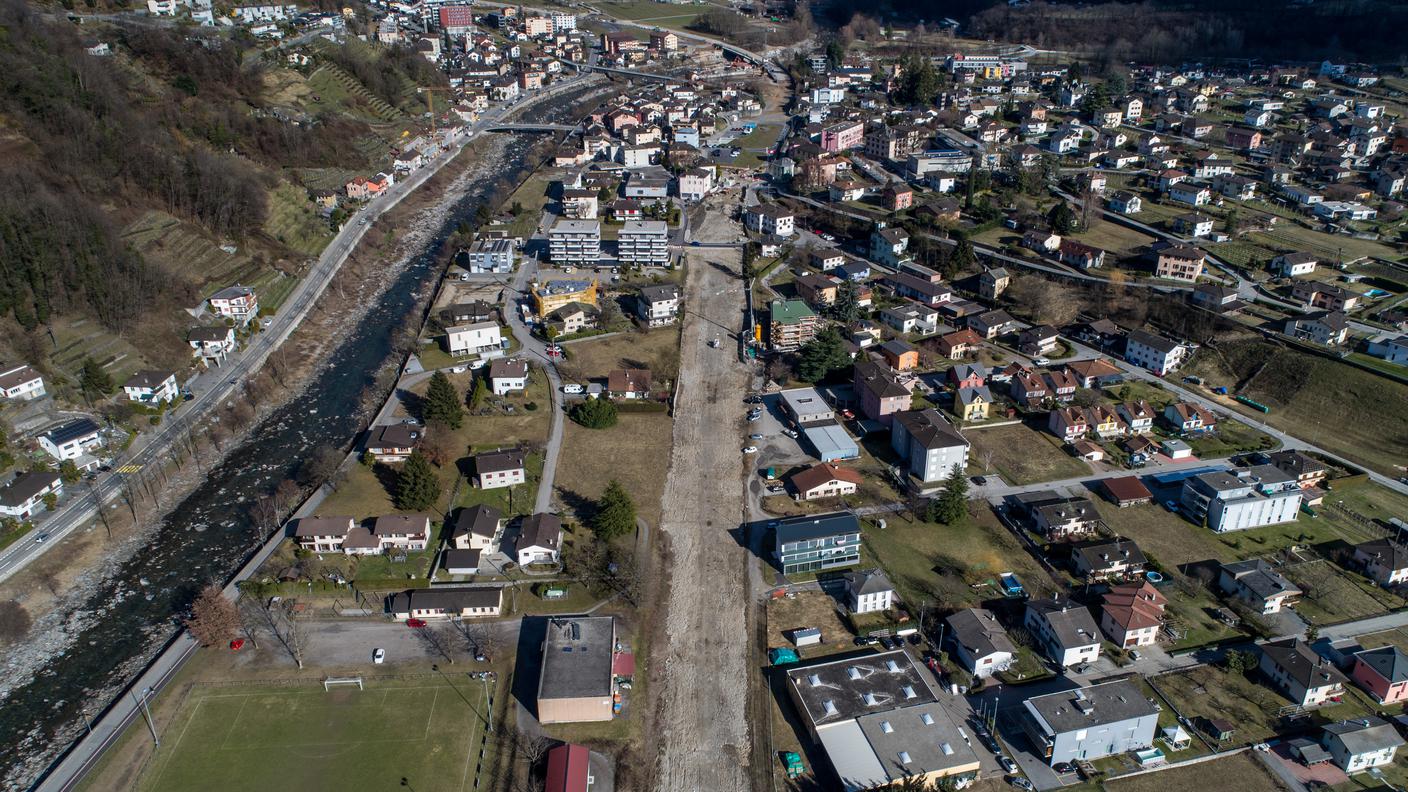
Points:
x=951, y=505
x=835, y=53
x=615, y=513
x=442, y=403
x=963, y=256
x=478, y=393
x=598, y=413
x=821, y=356
x=417, y=488
x=93, y=380
x=919, y=83
x=847, y=307
x=1062, y=219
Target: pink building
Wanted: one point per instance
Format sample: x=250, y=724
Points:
x=881, y=394
x=1383, y=672
x=843, y=136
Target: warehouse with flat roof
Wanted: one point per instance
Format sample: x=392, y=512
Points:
x=576, y=684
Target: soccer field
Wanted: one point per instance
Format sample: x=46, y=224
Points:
x=300, y=737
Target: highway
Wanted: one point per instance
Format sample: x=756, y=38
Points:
x=216, y=386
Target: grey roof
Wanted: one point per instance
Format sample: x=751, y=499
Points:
x=1066, y=509
x=1102, y=555
x=806, y=403
x=508, y=369
x=1386, y=552
x=1096, y=705
x=980, y=633
x=540, y=530
x=1364, y=735
x=831, y=691
x=209, y=334
x=454, y=558
x=1152, y=341
x=1388, y=662
x=1070, y=622
x=147, y=378
x=816, y=526
x=966, y=396
x=318, y=525
x=929, y=428
x=401, y=524
x=652, y=294
x=1260, y=578
x=1296, y=463
x=867, y=581
x=498, y=461
x=393, y=436
x=1301, y=664
x=448, y=598
x=577, y=658
x=924, y=734
x=477, y=520
x=25, y=486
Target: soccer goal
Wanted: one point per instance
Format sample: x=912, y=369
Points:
x=330, y=681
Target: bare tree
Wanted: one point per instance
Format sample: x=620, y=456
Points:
x=437, y=444
x=535, y=747
x=249, y=609
x=293, y=638
x=987, y=456
x=285, y=495
x=265, y=513
x=214, y=619
x=484, y=638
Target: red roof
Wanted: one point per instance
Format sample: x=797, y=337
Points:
x=623, y=664
x=456, y=16
x=567, y=769
x=1128, y=488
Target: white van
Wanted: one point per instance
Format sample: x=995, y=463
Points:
x=572, y=387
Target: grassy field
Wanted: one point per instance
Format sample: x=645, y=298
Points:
x=1334, y=595
x=657, y=350
x=660, y=14
x=509, y=501
x=421, y=734
x=1291, y=237
x=1350, y=412
x=294, y=221
x=635, y=452
x=1021, y=455
x=953, y=565
x=1114, y=238
x=1210, y=692
x=807, y=609
x=185, y=251
x=1240, y=771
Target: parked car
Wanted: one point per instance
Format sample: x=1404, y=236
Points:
x=792, y=433
x=572, y=387
x=379, y=656
x=1041, y=361
x=1008, y=765
x=1062, y=768
x=1020, y=782
x=755, y=436
x=750, y=449
x=415, y=623
x=1171, y=505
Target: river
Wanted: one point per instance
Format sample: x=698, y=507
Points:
x=208, y=535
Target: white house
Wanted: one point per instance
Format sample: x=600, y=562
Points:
x=1155, y=353
x=25, y=494
x=71, y=440
x=1361, y=744
x=152, y=387
x=539, y=540
x=1066, y=630
x=869, y=591
x=482, y=338
x=980, y=643
x=20, y=382
x=211, y=344
x=237, y=302
x=507, y=376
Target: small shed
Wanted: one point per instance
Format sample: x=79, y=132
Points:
x=1174, y=448
x=1309, y=751
x=806, y=636
x=460, y=562
x=1218, y=729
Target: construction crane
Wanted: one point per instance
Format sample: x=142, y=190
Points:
x=430, y=92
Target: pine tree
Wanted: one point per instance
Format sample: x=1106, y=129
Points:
x=93, y=380
x=1062, y=219
x=442, y=403
x=598, y=413
x=821, y=356
x=417, y=488
x=963, y=256
x=951, y=506
x=478, y=393
x=847, y=308
x=615, y=513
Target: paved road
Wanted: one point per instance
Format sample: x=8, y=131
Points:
x=536, y=350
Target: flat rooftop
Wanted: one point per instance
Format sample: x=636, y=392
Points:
x=1097, y=705
x=839, y=690
x=577, y=658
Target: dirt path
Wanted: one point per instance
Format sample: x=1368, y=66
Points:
x=703, y=729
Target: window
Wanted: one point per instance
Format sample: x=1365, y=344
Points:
x=886, y=727
x=904, y=757
x=927, y=719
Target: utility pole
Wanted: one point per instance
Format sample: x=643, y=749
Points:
x=146, y=711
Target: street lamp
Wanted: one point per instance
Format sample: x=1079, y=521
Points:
x=146, y=710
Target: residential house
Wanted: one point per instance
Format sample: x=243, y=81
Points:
x=1131, y=615
x=24, y=495
x=910, y=317
x=769, y=220
x=1180, y=263
x=1189, y=417
x=445, y=602
x=826, y=480
x=1392, y=349
x=628, y=383
x=1104, y=421
x=1137, y=415
x=1308, y=471
x=574, y=317
x=869, y=591
x=1063, y=518
x=477, y=527
x=899, y=355
x=1191, y=193
x=817, y=290
x=956, y=345
x=490, y=256
x=539, y=540
x=322, y=534
x=1126, y=203
x=1065, y=630
x=71, y=440
x=1026, y=387
x=991, y=324
x=508, y=376
x=1325, y=296
x=1383, y=672
x=1384, y=561
x=968, y=375
x=1216, y=297
x=1297, y=672
x=1068, y=423
x=1061, y=385
x=569, y=767
x=980, y=643
x=401, y=532
x=479, y=338
x=993, y=282
x=927, y=292
x=658, y=305
x=1103, y=560
x=888, y=245
x=211, y=344
x=151, y=387
x=791, y=323
x=1193, y=224
x=1330, y=328
x=1258, y=584
x=24, y=383
x=1090, y=723
x=1079, y=254
x=816, y=542
x=1153, y=352
x=237, y=302
x=499, y=469
x=392, y=442
x=881, y=394
x=1041, y=241
x=1038, y=340
x=1361, y=744
x=1235, y=500
x=972, y=404
x=931, y=445
x=556, y=293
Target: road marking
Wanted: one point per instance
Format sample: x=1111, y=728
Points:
x=129, y=468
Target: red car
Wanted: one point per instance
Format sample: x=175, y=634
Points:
x=236, y=644
x=415, y=622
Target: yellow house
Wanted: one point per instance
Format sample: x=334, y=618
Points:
x=973, y=403
x=1105, y=421
x=556, y=293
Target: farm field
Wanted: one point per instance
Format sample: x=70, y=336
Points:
x=420, y=734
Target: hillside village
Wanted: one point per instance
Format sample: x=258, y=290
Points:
x=1068, y=408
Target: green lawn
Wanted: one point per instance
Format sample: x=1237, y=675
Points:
x=422, y=734
x=508, y=500
x=955, y=566
x=294, y=220
x=1021, y=455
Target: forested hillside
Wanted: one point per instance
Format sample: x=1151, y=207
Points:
x=117, y=166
